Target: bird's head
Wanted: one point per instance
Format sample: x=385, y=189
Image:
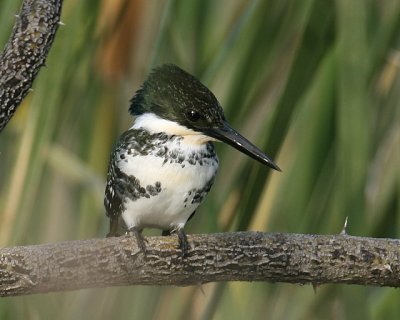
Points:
x=173, y=101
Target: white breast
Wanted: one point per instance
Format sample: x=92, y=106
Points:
x=171, y=207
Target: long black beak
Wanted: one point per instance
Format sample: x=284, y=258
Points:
x=229, y=135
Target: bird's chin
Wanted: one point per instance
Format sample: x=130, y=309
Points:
x=197, y=139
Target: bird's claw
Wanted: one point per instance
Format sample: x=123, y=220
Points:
x=140, y=239
x=183, y=242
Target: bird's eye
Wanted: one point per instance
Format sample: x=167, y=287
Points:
x=193, y=115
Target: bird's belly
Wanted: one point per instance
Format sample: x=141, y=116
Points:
x=181, y=188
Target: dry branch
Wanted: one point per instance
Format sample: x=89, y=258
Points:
x=242, y=256
x=25, y=52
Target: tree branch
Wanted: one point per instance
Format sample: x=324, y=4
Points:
x=241, y=256
x=25, y=52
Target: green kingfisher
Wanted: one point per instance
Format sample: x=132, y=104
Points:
x=162, y=168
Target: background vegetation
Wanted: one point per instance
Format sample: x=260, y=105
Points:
x=314, y=83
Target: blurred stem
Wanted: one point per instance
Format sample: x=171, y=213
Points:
x=352, y=117
x=214, y=302
x=304, y=67
x=162, y=31
x=17, y=181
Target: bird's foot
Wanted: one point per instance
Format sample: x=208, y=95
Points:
x=140, y=239
x=113, y=228
x=183, y=242
x=111, y=235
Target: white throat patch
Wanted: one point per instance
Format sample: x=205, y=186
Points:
x=155, y=124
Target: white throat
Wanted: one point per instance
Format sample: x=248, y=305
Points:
x=154, y=124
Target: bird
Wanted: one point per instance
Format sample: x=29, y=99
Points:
x=164, y=165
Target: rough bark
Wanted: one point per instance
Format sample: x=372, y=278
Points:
x=242, y=256
x=25, y=52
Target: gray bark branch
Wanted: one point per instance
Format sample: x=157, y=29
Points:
x=241, y=256
x=25, y=52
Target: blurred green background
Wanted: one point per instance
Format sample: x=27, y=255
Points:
x=314, y=83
